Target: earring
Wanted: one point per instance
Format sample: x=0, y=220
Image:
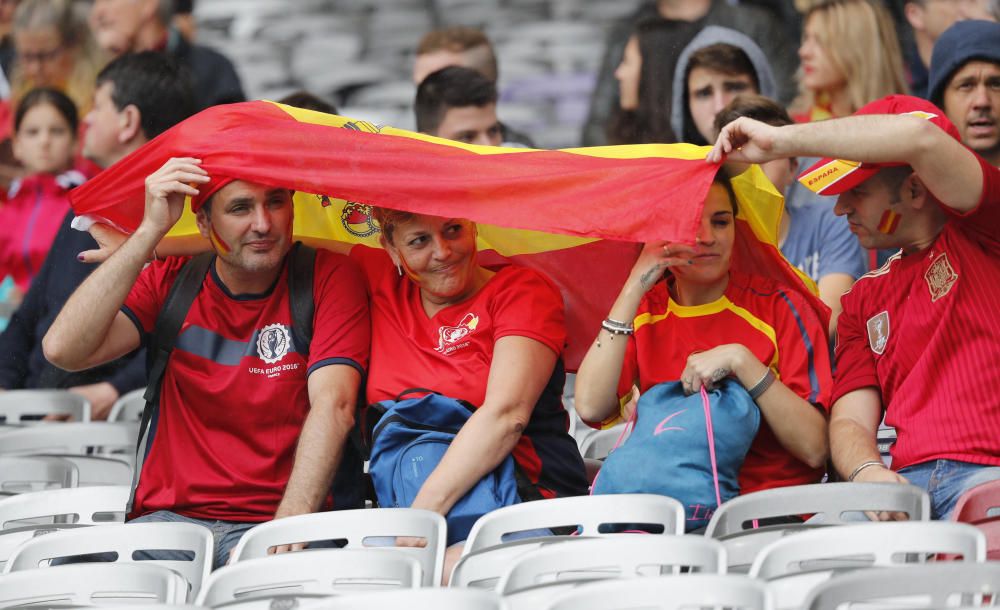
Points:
x=399, y=269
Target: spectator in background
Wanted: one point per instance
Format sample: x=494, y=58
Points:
x=929, y=19
x=54, y=49
x=965, y=83
x=128, y=26
x=454, y=46
x=183, y=20
x=7, y=52
x=645, y=82
x=308, y=101
x=715, y=67
x=772, y=35
x=811, y=237
x=459, y=104
x=467, y=47
x=45, y=126
x=138, y=97
x=850, y=56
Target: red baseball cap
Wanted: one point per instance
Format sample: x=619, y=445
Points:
x=835, y=176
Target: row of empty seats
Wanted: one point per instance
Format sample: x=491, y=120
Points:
x=791, y=565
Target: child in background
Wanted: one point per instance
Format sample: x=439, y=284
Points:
x=45, y=127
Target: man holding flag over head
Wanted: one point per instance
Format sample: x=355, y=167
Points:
x=253, y=409
x=918, y=338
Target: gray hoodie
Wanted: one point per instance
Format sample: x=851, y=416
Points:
x=709, y=36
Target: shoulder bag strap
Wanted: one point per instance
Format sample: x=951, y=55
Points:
x=161, y=343
x=301, y=271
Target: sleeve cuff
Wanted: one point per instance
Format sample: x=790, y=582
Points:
x=854, y=383
x=331, y=361
x=138, y=325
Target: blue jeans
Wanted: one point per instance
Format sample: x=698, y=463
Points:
x=225, y=534
x=947, y=480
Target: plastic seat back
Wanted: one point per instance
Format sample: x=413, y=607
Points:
x=356, y=529
x=20, y=474
x=538, y=576
x=738, y=522
x=494, y=540
x=93, y=584
x=929, y=586
x=77, y=505
x=29, y=406
x=796, y=564
x=309, y=574
x=186, y=548
x=735, y=592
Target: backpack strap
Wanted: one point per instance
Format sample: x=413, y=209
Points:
x=161, y=343
x=301, y=271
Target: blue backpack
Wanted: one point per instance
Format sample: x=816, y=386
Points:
x=687, y=447
x=407, y=443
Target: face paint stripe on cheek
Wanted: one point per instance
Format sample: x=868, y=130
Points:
x=889, y=222
x=220, y=244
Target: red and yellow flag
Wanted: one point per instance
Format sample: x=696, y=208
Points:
x=577, y=215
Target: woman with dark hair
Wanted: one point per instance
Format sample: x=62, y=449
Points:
x=685, y=314
x=645, y=78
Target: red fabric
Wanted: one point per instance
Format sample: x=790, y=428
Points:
x=635, y=199
x=451, y=353
x=573, y=270
x=30, y=219
x=659, y=349
x=224, y=441
x=939, y=371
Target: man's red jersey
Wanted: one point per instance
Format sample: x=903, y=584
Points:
x=774, y=322
x=925, y=330
x=451, y=353
x=234, y=394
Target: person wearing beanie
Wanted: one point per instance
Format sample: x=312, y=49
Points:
x=917, y=338
x=965, y=83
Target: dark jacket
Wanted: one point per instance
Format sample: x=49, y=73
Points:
x=213, y=76
x=780, y=47
x=22, y=364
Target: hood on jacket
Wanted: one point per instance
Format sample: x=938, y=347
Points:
x=961, y=43
x=680, y=117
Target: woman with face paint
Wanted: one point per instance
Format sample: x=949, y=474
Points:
x=685, y=315
x=493, y=338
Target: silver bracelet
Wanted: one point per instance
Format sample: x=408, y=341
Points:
x=864, y=465
x=617, y=327
x=762, y=385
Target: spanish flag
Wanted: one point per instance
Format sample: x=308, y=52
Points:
x=578, y=214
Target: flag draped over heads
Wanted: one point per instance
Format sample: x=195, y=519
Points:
x=578, y=214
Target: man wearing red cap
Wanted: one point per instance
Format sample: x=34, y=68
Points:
x=250, y=426
x=919, y=336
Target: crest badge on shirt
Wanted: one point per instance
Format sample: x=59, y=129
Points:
x=451, y=338
x=273, y=342
x=878, y=332
x=940, y=277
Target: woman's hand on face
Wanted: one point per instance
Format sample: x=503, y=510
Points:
x=710, y=367
x=654, y=259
